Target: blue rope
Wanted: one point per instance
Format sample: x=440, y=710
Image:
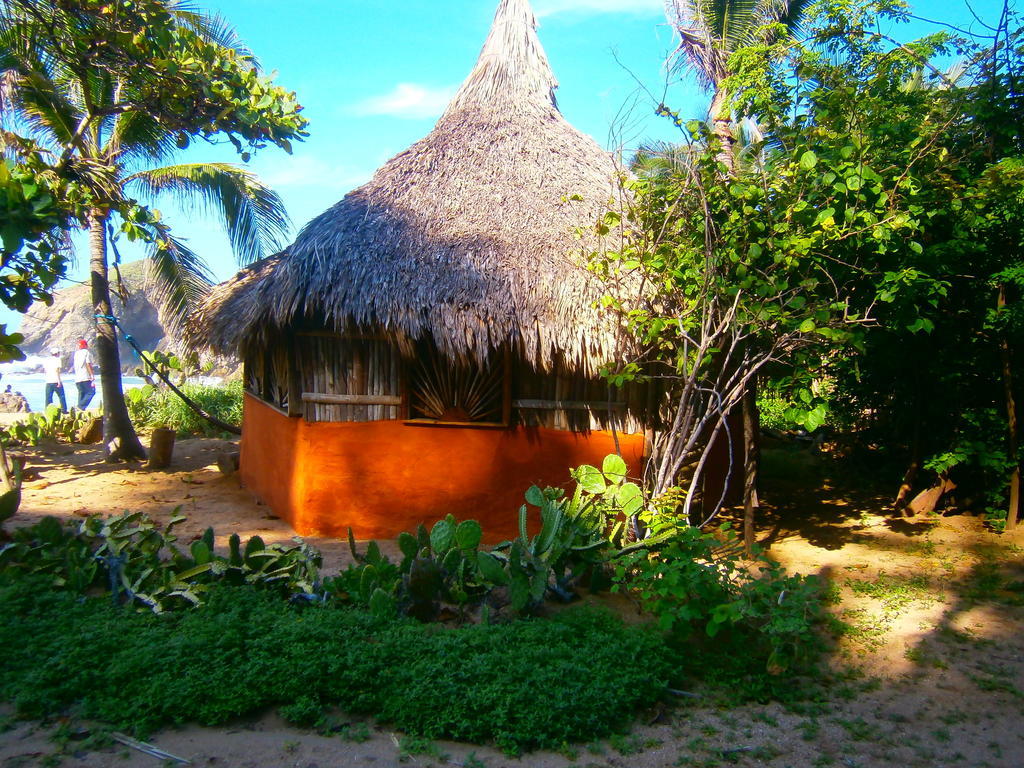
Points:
x=127, y=336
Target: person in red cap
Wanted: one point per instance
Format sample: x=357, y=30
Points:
x=84, y=377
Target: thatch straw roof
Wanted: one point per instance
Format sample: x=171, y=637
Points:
x=468, y=236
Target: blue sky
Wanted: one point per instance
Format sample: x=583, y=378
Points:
x=374, y=75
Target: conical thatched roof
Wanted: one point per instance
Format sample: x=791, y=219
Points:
x=469, y=236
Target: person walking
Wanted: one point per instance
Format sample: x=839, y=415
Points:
x=84, y=375
x=54, y=385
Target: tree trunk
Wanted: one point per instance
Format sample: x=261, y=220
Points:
x=721, y=127
x=751, y=463
x=1013, y=510
x=119, y=439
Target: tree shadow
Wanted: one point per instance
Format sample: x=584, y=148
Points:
x=910, y=527
x=807, y=495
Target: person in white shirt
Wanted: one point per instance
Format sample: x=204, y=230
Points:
x=54, y=385
x=84, y=376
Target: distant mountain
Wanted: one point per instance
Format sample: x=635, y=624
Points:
x=70, y=317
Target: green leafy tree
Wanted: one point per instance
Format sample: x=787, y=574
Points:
x=710, y=34
x=932, y=382
x=792, y=256
x=111, y=90
x=32, y=257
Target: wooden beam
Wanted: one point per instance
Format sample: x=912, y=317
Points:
x=319, y=397
x=294, y=380
x=437, y=423
x=567, y=405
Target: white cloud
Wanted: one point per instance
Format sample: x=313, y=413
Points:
x=551, y=7
x=409, y=101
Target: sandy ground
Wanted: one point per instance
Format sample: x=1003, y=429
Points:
x=932, y=667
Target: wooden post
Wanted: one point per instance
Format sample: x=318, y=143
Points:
x=506, y=391
x=295, y=404
x=161, y=448
x=357, y=385
x=404, y=409
x=1013, y=509
x=92, y=432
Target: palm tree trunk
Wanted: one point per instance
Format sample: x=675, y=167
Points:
x=721, y=127
x=119, y=438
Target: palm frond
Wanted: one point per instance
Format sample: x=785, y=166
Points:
x=253, y=215
x=712, y=30
x=137, y=135
x=47, y=115
x=214, y=28
x=661, y=160
x=792, y=14
x=180, y=276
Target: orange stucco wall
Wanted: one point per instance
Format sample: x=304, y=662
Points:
x=385, y=477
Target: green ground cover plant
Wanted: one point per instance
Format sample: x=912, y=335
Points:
x=525, y=684
x=128, y=625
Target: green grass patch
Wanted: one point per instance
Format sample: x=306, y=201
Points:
x=895, y=592
x=523, y=685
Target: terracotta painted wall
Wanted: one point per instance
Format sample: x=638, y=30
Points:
x=385, y=477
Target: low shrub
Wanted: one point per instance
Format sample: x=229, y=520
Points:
x=696, y=582
x=152, y=407
x=526, y=684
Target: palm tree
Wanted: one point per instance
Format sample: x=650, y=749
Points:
x=711, y=31
x=118, y=153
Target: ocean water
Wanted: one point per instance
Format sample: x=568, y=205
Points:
x=26, y=376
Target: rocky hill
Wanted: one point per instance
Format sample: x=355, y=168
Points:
x=70, y=318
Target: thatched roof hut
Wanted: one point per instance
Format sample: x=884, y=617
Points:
x=449, y=292
x=470, y=236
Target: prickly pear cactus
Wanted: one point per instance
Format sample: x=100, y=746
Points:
x=468, y=535
x=424, y=588
x=491, y=569
x=382, y=604
x=408, y=545
x=442, y=535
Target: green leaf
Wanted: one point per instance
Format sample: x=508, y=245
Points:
x=630, y=499
x=382, y=605
x=407, y=544
x=590, y=479
x=808, y=160
x=200, y=552
x=614, y=468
